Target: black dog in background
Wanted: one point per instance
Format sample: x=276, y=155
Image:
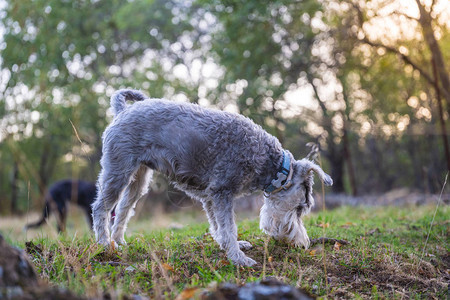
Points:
x=60, y=193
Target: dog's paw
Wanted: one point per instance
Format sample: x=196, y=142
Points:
x=245, y=262
x=104, y=242
x=242, y=260
x=244, y=245
x=121, y=242
x=119, y=239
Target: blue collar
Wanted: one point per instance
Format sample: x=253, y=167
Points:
x=283, y=180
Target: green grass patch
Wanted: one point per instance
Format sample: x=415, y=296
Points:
x=383, y=260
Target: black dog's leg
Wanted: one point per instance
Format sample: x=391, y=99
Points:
x=45, y=215
x=88, y=212
x=62, y=216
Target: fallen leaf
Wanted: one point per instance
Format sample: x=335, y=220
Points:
x=348, y=224
x=168, y=267
x=187, y=294
x=224, y=262
x=312, y=252
x=324, y=225
x=337, y=246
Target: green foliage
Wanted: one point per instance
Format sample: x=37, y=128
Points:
x=267, y=46
x=61, y=60
x=61, y=57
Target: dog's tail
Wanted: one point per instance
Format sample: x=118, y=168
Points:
x=118, y=100
x=44, y=218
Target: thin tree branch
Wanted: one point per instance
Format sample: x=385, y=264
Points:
x=405, y=15
x=323, y=240
x=404, y=57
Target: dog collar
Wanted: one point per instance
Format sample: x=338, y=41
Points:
x=284, y=176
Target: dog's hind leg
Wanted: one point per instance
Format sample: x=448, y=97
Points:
x=208, y=207
x=61, y=218
x=227, y=231
x=125, y=209
x=110, y=185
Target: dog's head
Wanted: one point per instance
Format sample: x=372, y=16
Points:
x=282, y=211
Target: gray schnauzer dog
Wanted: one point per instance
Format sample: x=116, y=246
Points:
x=211, y=155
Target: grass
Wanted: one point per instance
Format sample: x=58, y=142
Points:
x=383, y=259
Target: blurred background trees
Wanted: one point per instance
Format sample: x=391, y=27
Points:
x=366, y=80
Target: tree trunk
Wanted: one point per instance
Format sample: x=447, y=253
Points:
x=337, y=172
x=46, y=166
x=441, y=115
x=428, y=34
x=14, y=188
x=345, y=140
x=348, y=159
x=2, y=199
x=43, y=178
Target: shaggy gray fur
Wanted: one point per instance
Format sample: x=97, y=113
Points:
x=212, y=155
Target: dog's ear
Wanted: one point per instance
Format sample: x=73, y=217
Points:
x=306, y=167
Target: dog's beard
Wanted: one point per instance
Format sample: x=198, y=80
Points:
x=284, y=225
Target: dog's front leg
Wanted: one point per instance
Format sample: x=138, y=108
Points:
x=226, y=234
x=213, y=227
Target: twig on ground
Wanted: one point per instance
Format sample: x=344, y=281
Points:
x=323, y=240
x=114, y=263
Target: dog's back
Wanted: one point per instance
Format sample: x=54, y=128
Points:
x=79, y=191
x=189, y=143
